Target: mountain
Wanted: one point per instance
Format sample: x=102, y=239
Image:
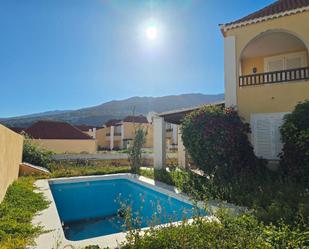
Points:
x=116, y=109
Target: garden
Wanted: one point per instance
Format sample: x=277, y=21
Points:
x=277, y=201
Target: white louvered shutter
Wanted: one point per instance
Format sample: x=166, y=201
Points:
x=292, y=63
x=295, y=60
x=262, y=137
x=275, y=65
x=266, y=135
x=277, y=121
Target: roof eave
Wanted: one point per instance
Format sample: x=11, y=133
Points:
x=225, y=27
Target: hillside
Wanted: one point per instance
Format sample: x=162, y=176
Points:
x=116, y=109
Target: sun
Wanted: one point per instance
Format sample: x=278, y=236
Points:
x=152, y=32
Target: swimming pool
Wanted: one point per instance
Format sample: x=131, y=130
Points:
x=90, y=208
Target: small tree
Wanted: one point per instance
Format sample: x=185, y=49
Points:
x=135, y=151
x=217, y=141
x=295, y=136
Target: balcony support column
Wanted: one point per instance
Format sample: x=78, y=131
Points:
x=122, y=137
x=159, y=142
x=111, y=145
x=230, y=69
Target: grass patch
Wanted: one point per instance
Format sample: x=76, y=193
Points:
x=88, y=170
x=17, y=210
x=84, y=168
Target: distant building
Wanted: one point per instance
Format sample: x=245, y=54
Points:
x=60, y=137
x=89, y=130
x=119, y=134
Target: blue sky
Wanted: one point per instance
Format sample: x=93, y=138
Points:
x=69, y=54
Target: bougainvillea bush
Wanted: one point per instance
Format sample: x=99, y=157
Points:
x=217, y=141
x=295, y=137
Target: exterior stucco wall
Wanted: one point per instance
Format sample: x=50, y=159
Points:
x=129, y=132
x=11, y=149
x=279, y=97
x=68, y=145
x=101, y=137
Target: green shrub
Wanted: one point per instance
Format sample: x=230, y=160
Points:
x=70, y=168
x=295, y=136
x=16, y=212
x=36, y=155
x=270, y=199
x=231, y=232
x=217, y=141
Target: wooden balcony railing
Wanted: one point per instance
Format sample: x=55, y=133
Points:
x=274, y=77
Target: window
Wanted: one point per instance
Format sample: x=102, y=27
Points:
x=285, y=62
x=266, y=137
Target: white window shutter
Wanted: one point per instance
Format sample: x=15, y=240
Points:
x=277, y=122
x=275, y=65
x=266, y=135
x=285, y=61
x=262, y=137
x=295, y=60
x=292, y=63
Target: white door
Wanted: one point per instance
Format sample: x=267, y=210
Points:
x=266, y=137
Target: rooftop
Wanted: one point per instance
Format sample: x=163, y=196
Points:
x=277, y=9
x=135, y=119
x=86, y=127
x=176, y=116
x=46, y=129
x=112, y=122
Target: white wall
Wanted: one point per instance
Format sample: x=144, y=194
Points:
x=230, y=76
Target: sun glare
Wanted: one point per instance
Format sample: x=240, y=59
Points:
x=151, y=32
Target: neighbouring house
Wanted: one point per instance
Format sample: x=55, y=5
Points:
x=61, y=137
x=89, y=130
x=266, y=69
x=119, y=134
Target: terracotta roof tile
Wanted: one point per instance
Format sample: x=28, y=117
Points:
x=272, y=9
x=112, y=122
x=55, y=130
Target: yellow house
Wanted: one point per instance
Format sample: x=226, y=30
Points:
x=119, y=134
x=88, y=129
x=266, y=68
x=61, y=137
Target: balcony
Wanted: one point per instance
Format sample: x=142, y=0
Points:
x=274, y=77
x=116, y=134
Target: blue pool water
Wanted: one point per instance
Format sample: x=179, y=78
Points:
x=94, y=208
